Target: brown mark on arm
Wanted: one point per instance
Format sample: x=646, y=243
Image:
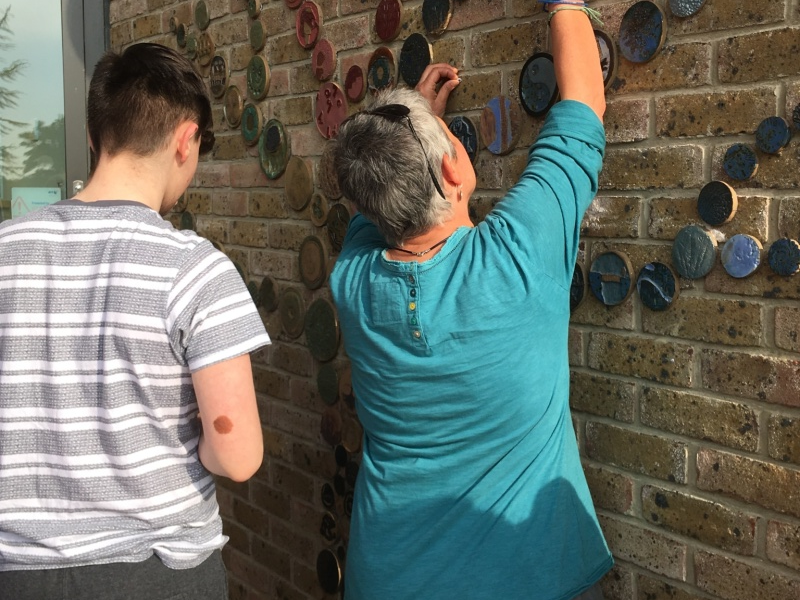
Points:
x=223, y=425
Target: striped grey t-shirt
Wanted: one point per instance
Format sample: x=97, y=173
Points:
x=105, y=310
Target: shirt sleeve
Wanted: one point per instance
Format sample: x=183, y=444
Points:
x=210, y=314
x=539, y=219
x=361, y=232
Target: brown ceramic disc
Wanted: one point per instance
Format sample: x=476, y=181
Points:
x=436, y=15
x=329, y=571
x=388, y=17
x=205, y=49
x=292, y=310
x=607, y=49
x=180, y=34
x=293, y=3
x=328, y=180
x=201, y=15
x=331, y=109
x=253, y=8
x=173, y=24
x=382, y=70
x=218, y=77
x=313, y=263
x=338, y=220
x=323, y=60
x=355, y=84
x=188, y=221
x=233, y=106
x=322, y=330
x=500, y=125
x=318, y=210
x=330, y=426
x=328, y=528
x=268, y=294
x=180, y=205
x=274, y=149
x=307, y=24
x=328, y=384
x=258, y=36
x=298, y=183
x=352, y=434
x=191, y=46
x=258, y=77
x=346, y=387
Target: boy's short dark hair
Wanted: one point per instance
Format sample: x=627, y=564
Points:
x=138, y=98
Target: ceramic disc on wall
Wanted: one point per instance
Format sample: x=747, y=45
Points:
x=500, y=125
x=253, y=8
x=274, y=149
x=608, y=55
x=346, y=387
x=355, y=84
x=717, y=203
x=292, y=311
x=258, y=36
x=784, y=257
x=330, y=426
x=252, y=287
x=173, y=24
x=307, y=24
x=180, y=34
x=252, y=123
x=773, y=135
x=313, y=262
x=657, y=286
x=327, y=496
x=322, y=330
x=329, y=571
x=464, y=129
x=740, y=163
x=191, y=46
x=642, y=32
x=218, y=76
x=330, y=110
x=201, y=16
x=240, y=269
x=341, y=456
x=338, y=220
x=415, y=55
x=181, y=204
x=538, y=89
x=268, y=294
x=187, y=221
x=741, y=255
x=352, y=434
x=328, y=384
x=796, y=116
x=694, y=252
x=610, y=278
x=258, y=77
x=318, y=209
x=232, y=106
x=387, y=19
x=293, y=3
x=328, y=527
x=436, y=15
x=205, y=49
x=323, y=60
x=685, y=8
x=577, y=289
x=381, y=71
x=328, y=180
x=298, y=183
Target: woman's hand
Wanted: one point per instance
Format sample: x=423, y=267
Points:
x=431, y=77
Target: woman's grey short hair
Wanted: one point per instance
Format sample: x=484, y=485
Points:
x=382, y=170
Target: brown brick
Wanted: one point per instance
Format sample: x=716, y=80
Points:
x=728, y=322
x=676, y=66
x=314, y=460
x=784, y=438
x=720, y=113
x=121, y=35
x=198, y=202
x=648, y=168
x=789, y=217
x=697, y=518
x=306, y=580
x=239, y=536
x=284, y=49
x=731, y=424
x=735, y=580
x=759, y=56
x=212, y=175
x=300, y=545
x=300, y=423
x=229, y=203
x=278, y=264
x=235, y=30
x=774, y=171
x=292, y=481
x=276, y=18
x=474, y=13
x=610, y=491
x=450, y=50
x=248, y=233
x=215, y=230
x=348, y=34
x=247, y=570
x=627, y=120
x=268, y=203
x=288, y=236
x=292, y=359
x=274, y=383
x=612, y=216
x=787, y=324
x=669, y=215
x=348, y=7
x=729, y=14
x=603, y=396
x=753, y=376
x=764, y=283
x=474, y=92
x=783, y=543
x=593, y=312
x=637, y=452
x=125, y=9
x=645, y=548
x=146, y=26
x=656, y=589
x=656, y=360
x=229, y=147
x=240, y=57
x=576, y=337
x=277, y=444
x=509, y=44
x=753, y=481
x=250, y=517
x=293, y=111
x=267, y=555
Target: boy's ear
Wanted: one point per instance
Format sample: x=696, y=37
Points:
x=185, y=136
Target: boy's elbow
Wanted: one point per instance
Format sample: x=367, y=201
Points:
x=244, y=470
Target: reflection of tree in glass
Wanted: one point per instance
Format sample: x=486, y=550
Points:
x=43, y=151
x=8, y=97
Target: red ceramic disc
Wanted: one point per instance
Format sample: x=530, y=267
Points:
x=307, y=24
x=331, y=109
x=355, y=84
x=323, y=60
x=387, y=19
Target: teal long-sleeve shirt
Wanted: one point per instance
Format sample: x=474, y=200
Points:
x=470, y=484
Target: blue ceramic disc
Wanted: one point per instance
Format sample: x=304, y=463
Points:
x=252, y=123
x=693, y=252
x=464, y=129
x=685, y=8
x=773, y=134
x=381, y=70
x=717, y=203
x=740, y=163
x=741, y=255
x=538, y=89
x=784, y=257
x=657, y=286
x=414, y=57
x=577, y=290
x=500, y=125
x=796, y=116
x=642, y=32
x=608, y=55
x=610, y=278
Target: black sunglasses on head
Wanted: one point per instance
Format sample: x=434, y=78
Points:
x=400, y=112
x=207, y=140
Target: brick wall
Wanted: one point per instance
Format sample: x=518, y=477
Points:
x=688, y=419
